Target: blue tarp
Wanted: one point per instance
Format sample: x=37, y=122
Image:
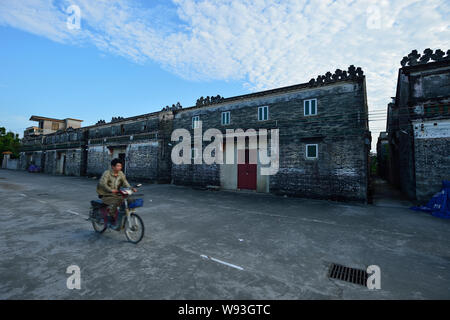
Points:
x=439, y=204
x=33, y=168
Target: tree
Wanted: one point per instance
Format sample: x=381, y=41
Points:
x=9, y=141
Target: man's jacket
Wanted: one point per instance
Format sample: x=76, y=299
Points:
x=108, y=182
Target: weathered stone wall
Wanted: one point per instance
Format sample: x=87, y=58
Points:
x=401, y=138
x=98, y=160
x=164, y=153
x=432, y=156
x=62, y=145
x=125, y=128
x=22, y=161
x=31, y=157
x=142, y=160
x=50, y=162
x=54, y=162
x=139, y=139
x=430, y=85
x=432, y=166
x=37, y=158
x=200, y=175
x=339, y=128
x=338, y=174
x=46, y=151
x=73, y=162
x=406, y=163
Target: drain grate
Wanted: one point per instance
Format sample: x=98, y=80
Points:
x=352, y=275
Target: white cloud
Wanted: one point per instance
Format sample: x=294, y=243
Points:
x=264, y=43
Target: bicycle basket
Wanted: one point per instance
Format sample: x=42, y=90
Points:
x=136, y=203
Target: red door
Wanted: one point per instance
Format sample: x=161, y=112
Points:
x=247, y=173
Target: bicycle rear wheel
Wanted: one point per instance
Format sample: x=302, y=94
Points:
x=98, y=222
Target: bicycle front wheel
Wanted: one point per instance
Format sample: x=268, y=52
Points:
x=134, y=228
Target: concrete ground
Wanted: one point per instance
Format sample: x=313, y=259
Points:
x=385, y=195
x=212, y=245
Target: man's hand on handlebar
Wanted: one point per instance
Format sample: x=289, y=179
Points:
x=134, y=189
x=115, y=191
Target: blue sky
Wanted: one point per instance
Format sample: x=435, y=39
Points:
x=47, y=78
x=134, y=57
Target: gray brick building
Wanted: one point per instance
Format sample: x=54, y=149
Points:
x=61, y=152
x=418, y=125
x=140, y=142
x=322, y=125
x=324, y=140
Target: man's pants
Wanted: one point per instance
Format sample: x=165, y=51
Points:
x=113, y=201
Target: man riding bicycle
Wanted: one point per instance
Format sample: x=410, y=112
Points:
x=108, y=187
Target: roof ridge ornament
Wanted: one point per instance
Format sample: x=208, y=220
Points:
x=177, y=106
x=415, y=58
x=116, y=119
x=352, y=73
x=209, y=100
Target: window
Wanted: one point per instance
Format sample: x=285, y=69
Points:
x=55, y=126
x=310, y=107
x=311, y=151
x=122, y=129
x=195, y=122
x=263, y=113
x=225, y=117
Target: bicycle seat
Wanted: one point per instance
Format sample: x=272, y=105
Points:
x=97, y=204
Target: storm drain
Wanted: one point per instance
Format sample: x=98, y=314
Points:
x=352, y=275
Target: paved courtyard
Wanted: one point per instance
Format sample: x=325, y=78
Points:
x=212, y=245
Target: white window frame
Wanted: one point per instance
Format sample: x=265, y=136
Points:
x=317, y=151
x=263, y=107
x=195, y=120
x=229, y=118
x=309, y=107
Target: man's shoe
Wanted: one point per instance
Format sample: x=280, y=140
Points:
x=115, y=226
